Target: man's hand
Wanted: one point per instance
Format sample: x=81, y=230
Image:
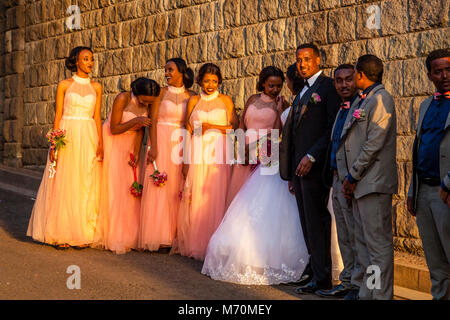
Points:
x=445, y=196
x=409, y=204
x=303, y=167
x=151, y=155
x=291, y=187
x=348, y=188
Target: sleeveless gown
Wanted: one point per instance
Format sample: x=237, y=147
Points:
x=66, y=207
x=260, y=114
x=118, y=221
x=204, y=195
x=260, y=240
x=160, y=205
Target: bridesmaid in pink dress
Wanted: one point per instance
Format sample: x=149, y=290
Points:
x=118, y=221
x=207, y=173
x=260, y=112
x=66, y=206
x=160, y=205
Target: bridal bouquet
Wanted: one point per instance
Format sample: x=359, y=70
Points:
x=262, y=154
x=159, y=179
x=57, y=140
x=136, y=187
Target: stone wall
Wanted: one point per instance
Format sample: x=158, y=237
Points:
x=134, y=38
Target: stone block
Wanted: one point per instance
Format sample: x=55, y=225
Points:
x=219, y=22
x=405, y=224
x=18, y=61
x=404, y=46
x=114, y=36
x=127, y=11
x=12, y=150
x=276, y=35
x=98, y=39
x=311, y=28
x=404, y=110
x=16, y=109
x=18, y=39
x=231, y=13
x=138, y=30
x=284, y=9
x=234, y=89
x=26, y=142
x=213, y=46
x=404, y=148
x=393, y=77
x=190, y=21
x=125, y=83
x=51, y=113
x=149, y=25
x=173, y=27
x=118, y=62
x=126, y=34
x=110, y=15
x=379, y=47
x=419, y=84
x=256, y=39
x=249, y=66
x=350, y=52
x=268, y=10
x=228, y=68
x=30, y=117
x=161, y=55
x=231, y=43
x=433, y=39
x=196, y=48
x=341, y=25
x=248, y=12
x=282, y=60
x=319, y=5
x=149, y=56
x=207, y=17
x=37, y=137
x=394, y=17
x=41, y=112
x=428, y=14
x=290, y=39
x=160, y=27
x=136, y=63
x=328, y=55
x=299, y=7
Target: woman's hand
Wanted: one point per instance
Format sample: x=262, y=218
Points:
x=99, y=153
x=151, y=155
x=51, y=154
x=140, y=122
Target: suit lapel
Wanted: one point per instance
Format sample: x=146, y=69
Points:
x=349, y=119
x=422, y=113
x=304, y=101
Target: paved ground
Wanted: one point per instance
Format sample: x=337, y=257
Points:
x=29, y=270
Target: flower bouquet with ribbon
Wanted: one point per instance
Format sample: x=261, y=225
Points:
x=262, y=154
x=136, y=187
x=159, y=179
x=57, y=140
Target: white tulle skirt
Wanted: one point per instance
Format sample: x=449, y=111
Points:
x=260, y=240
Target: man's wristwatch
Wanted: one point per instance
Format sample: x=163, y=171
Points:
x=311, y=158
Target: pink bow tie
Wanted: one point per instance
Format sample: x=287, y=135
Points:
x=345, y=105
x=362, y=96
x=438, y=95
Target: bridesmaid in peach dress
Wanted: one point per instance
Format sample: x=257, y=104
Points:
x=160, y=205
x=207, y=173
x=260, y=112
x=118, y=221
x=66, y=206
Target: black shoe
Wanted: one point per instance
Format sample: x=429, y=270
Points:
x=338, y=291
x=313, y=286
x=353, y=294
x=164, y=250
x=304, y=279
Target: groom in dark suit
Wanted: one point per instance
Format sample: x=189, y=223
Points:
x=302, y=159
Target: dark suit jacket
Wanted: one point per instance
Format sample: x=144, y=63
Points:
x=312, y=130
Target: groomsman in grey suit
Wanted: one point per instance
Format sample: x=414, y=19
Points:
x=428, y=197
x=370, y=147
x=351, y=275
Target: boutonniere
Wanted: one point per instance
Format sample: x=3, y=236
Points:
x=359, y=114
x=315, y=98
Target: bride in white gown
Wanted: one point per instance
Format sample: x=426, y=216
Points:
x=260, y=239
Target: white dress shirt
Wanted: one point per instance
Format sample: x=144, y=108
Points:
x=311, y=81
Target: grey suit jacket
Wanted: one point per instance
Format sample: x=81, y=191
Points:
x=370, y=145
x=444, y=151
x=340, y=154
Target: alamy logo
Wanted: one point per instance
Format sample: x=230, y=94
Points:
x=73, y=22
x=374, y=20
x=374, y=280
x=74, y=281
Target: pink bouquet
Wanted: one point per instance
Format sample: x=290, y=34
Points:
x=57, y=140
x=136, y=187
x=159, y=179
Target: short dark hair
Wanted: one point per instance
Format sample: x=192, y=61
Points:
x=436, y=54
x=372, y=66
x=145, y=87
x=267, y=72
x=210, y=68
x=309, y=46
x=343, y=66
x=71, y=61
x=294, y=76
x=188, y=74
